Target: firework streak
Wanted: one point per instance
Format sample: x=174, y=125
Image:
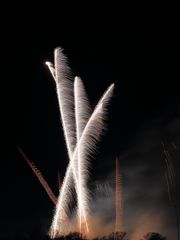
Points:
x=82, y=132
x=39, y=176
x=118, y=199
x=171, y=186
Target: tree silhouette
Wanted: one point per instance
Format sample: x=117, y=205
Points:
x=154, y=236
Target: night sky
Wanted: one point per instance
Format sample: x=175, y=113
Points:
x=144, y=111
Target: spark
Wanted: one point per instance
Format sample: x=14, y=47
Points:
x=65, y=98
x=82, y=133
x=62, y=76
x=51, y=68
x=82, y=113
x=39, y=176
x=87, y=145
x=118, y=199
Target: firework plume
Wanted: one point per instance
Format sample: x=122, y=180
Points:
x=82, y=113
x=85, y=147
x=82, y=132
x=39, y=176
x=62, y=76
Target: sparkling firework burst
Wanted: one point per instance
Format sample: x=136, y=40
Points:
x=82, y=132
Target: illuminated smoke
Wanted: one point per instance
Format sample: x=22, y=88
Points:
x=104, y=189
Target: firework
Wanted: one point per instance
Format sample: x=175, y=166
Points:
x=82, y=113
x=62, y=76
x=118, y=199
x=39, y=176
x=85, y=147
x=82, y=132
x=171, y=185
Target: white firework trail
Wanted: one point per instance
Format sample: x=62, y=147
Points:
x=82, y=114
x=63, y=78
x=64, y=87
x=85, y=148
x=62, y=75
x=51, y=69
x=87, y=145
